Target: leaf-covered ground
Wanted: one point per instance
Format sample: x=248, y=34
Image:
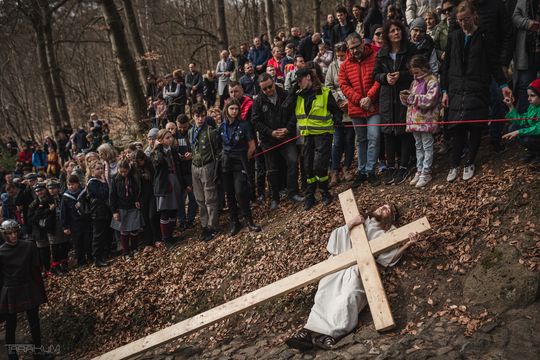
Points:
x=91, y=311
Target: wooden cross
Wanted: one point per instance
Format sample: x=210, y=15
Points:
x=362, y=253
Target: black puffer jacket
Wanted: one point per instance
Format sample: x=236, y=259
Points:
x=495, y=21
x=267, y=117
x=390, y=107
x=466, y=75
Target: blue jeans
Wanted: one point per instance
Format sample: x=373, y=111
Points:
x=368, y=143
x=424, y=151
x=522, y=79
x=343, y=144
x=191, y=209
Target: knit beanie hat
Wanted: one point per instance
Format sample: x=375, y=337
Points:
x=152, y=133
x=419, y=23
x=535, y=86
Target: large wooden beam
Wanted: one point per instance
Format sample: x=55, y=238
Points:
x=367, y=266
x=264, y=294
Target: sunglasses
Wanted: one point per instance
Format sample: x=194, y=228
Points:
x=447, y=10
x=379, y=33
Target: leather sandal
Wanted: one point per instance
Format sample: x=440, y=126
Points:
x=302, y=340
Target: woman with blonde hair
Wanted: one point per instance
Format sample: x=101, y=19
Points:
x=110, y=157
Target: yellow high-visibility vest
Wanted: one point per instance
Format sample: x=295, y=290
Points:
x=319, y=120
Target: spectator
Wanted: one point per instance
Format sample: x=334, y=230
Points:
x=343, y=136
x=417, y=8
x=258, y=55
x=270, y=120
x=194, y=83
x=234, y=59
x=290, y=80
x=327, y=29
x=392, y=73
x=527, y=130
x=39, y=160
x=206, y=147
x=223, y=72
x=344, y=26
x=174, y=94
x=295, y=37
x=288, y=60
x=185, y=152
x=237, y=92
x=238, y=148
x=424, y=43
x=210, y=88
x=432, y=20
x=422, y=101
x=470, y=61
x=357, y=82
x=374, y=16
x=308, y=47
x=249, y=81
x=324, y=57
x=526, y=18
x=242, y=59
x=378, y=38
x=359, y=13
x=275, y=62
x=440, y=38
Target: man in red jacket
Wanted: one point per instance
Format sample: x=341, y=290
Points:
x=357, y=83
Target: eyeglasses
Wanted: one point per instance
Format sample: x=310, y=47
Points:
x=447, y=10
x=379, y=33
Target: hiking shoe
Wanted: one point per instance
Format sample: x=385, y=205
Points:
x=416, y=178
x=452, y=174
x=468, y=172
x=423, y=180
x=235, y=228
x=326, y=199
x=400, y=175
x=308, y=203
x=296, y=198
x=388, y=178
x=360, y=178
x=373, y=179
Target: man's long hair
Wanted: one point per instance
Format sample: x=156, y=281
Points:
x=386, y=223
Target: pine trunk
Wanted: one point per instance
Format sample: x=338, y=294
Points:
x=223, y=39
x=126, y=65
x=316, y=15
x=136, y=40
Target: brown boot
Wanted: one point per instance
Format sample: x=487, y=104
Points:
x=334, y=178
x=348, y=175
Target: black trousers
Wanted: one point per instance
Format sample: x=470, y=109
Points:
x=152, y=231
x=463, y=134
x=403, y=145
x=101, y=238
x=32, y=316
x=317, y=153
x=235, y=182
x=274, y=169
x=82, y=242
x=59, y=251
x=45, y=257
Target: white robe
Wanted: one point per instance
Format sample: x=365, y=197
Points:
x=340, y=296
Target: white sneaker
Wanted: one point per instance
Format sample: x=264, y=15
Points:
x=423, y=180
x=416, y=177
x=452, y=174
x=468, y=172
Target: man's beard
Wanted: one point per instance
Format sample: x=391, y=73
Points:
x=385, y=222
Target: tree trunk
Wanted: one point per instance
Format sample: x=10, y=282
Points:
x=287, y=14
x=136, y=40
x=46, y=80
x=223, y=39
x=270, y=24
x=58, y=88
x=255, y=17
x=126, y=65
x=316, y=15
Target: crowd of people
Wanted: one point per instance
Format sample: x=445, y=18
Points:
x=278, y=120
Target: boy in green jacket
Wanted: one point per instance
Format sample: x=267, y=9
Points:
x=527, y=130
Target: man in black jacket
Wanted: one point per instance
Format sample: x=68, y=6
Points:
x=495, y=20
x=270, y=121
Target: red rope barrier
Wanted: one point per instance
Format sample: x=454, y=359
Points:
x=405, y=124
